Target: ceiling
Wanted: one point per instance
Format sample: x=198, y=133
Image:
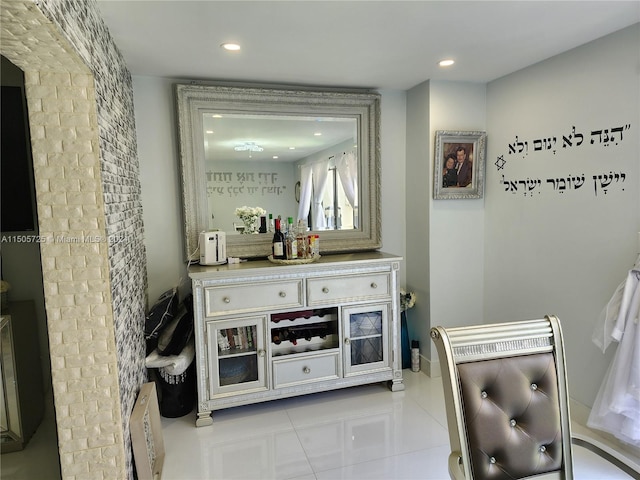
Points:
x=376, y=44
x=372, y=44
x=280, y=138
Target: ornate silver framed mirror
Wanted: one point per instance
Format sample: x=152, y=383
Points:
x=307, y=154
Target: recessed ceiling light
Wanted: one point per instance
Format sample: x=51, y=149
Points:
x=446, y=63
x=275, y=157
x=209, y=131
x=292, y=148
x=318, y=134
x=232, y=47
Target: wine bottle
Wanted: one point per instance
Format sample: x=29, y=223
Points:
x=278, y=243
x=271, y=227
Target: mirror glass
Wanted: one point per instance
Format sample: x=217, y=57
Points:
x=308, y=155
x=254, y=160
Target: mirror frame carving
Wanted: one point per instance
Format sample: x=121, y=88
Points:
x=194, y=99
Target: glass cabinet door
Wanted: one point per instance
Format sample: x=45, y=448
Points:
x=366, y=338
x=237, y=355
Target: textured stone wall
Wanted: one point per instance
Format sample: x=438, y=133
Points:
x=80, y=103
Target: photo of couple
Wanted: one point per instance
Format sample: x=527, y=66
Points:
x=458, y=165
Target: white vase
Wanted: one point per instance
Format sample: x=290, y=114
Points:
x=250, y=225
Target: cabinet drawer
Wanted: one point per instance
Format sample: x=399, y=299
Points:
x=252, y=297
x=312, y=368
x=348, y=288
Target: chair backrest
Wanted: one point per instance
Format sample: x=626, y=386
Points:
x=506, y=398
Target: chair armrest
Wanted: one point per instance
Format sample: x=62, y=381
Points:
x=455, y=466
x=606, y=453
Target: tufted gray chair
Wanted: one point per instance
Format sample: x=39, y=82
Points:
x=505, y=390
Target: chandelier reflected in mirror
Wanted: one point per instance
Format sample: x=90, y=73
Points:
x=248, y=146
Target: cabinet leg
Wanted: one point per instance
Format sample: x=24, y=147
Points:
x=204, y=419
x=396, y=385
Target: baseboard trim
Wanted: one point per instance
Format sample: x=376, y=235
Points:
x=432, y=367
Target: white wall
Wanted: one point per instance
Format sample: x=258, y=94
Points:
x=161, y=191
x=546, y=252
x=393, y=161
x=456, y=235
x=445, y=238
x=418, y=214
x=556, y=251
x=160, y=184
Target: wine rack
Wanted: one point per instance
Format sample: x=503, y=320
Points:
x=304, y=331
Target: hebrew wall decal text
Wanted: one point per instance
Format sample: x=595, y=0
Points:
x=528, y=186
x=606, y=137
x=602, y=183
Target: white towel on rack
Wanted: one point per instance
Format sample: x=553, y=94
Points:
x=617, y=406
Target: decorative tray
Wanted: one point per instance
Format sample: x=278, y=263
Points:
x=297, y=261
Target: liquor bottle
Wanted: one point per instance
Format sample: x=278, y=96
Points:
x=278, y=243
x=272, y=227
x=311, y=240
x=290, y=237
x=301, y=239
x=263, y=224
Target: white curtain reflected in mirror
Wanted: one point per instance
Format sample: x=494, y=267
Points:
x=328, y=199
x=320, y=172
x=306, y=188
x=347, y=167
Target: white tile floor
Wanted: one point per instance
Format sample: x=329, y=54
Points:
x=364, y=432
x=39, y=459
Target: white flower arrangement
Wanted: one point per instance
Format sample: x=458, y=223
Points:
x=407, y=300
x=249, y=216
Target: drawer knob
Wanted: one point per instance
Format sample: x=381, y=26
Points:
x=325, y=290
x=306, y=370
x=226, y=300
x=374, y=285
x=283, y=294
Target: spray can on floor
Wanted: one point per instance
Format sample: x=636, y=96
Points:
x=415, y=356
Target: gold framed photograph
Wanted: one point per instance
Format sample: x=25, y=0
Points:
x=459, y=164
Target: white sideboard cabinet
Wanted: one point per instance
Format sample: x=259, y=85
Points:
x=266, y=331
